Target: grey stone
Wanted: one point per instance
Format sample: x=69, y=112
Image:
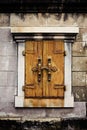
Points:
x=79, y=79
x=8, y=109
x=33, y=113
x=12, y=63
x=80, y=20
x=4, y=63
x=12, y=49
x=80, y=93
x=3, y=78
x=86, y=78
x=3, y=48
x=8, y=49
x=8, y=63
x=79, y=64
x=79, y=110
x=27, y=20
x=5, y=34
x=11, y=79
x=8, y=78
x=4, y=19
x=83, y=31
x=78, y=49
x=7, y=94
x=48, y=20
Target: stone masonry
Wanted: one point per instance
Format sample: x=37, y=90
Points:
x=8, y=65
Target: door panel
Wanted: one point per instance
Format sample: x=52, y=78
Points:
x=55, y=51
x=44, y=73
x=43, y=102
x=33, y=50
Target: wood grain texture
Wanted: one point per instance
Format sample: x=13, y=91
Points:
x=35, y=102
x=52, y=91
x=33, y=50
x=55, y=51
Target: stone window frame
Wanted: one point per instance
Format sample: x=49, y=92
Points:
x=68, y=34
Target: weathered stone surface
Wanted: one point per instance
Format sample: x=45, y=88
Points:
x=3, y=78
x=79, y=64
x=8, y=49
x=86, y=78
x=81, y=20
x=8, y=63
x=8, y=110
x=27, y=20
x=4, y=19
x=61, y=20
x=8, y=79
x=5, y=34
x=79, y=79
x=78, y=49
x=7, y=94
x=11, y=79
x=48, y=20
x=80, y=93
x=79, y=110
x=83, y=31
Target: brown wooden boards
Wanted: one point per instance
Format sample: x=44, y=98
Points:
x=44, y=73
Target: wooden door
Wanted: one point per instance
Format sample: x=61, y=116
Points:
x=54, y=50
x=44, y=73
x=33, y=51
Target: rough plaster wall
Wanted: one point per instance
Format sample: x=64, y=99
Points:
x=8, y=64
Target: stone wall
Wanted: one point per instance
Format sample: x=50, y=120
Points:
x=8, y=64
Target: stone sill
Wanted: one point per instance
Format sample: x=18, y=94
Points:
x=21, y=119
x=31, y=119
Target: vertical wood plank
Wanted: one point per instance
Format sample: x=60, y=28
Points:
x=55, y=51
x=33, y=50
x=45, y=89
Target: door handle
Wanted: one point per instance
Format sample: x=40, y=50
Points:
x=49, y=68
x=38, y=69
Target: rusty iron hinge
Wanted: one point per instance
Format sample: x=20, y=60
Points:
x=65, y=53
x=58, y=86
x=23, y=53
x=23, y=88
x=64, y=87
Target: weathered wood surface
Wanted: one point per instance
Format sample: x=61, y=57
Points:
x=44, y=90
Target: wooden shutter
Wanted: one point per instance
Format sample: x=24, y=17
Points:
x=49, y=91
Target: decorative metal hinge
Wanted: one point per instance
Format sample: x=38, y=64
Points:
x=60, y=86
x=65, y=53
x=64, y=87
x=23, y=88
x=23, y=53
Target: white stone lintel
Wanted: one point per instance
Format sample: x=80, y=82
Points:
x=62, y=30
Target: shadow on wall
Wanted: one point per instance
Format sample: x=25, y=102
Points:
x=70, y=124
x=58, y=16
